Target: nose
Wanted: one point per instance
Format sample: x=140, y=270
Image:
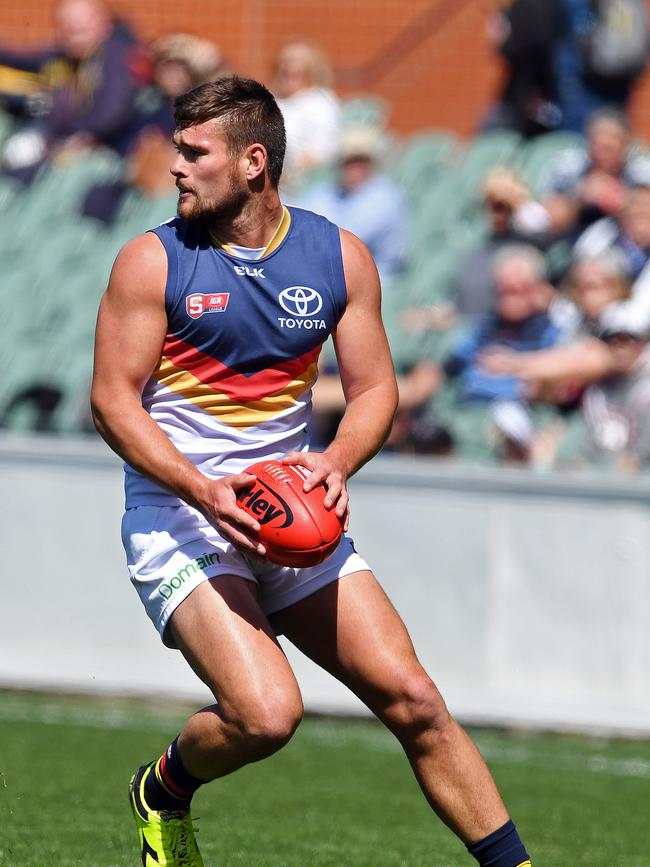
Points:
x=177, y=168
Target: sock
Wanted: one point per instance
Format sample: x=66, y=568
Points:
x=170, y=786
x=502, y=848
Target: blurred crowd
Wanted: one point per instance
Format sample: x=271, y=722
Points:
x=539, y=353
x=547, y=359
x=99, y=86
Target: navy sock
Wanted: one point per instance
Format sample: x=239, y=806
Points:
x=169, y=785
x=502, y=848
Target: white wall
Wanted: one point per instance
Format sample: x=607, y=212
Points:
x=528, y=598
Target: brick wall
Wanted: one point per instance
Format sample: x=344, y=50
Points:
x=429, y=59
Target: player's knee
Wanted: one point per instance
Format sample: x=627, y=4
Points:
x=270, y=724
x=418, y=709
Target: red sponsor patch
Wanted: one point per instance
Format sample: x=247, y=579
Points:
x=198, y=304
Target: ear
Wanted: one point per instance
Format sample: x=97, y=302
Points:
x=256, y=159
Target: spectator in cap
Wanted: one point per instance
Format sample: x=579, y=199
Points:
x=616, y=410
x=363, y=200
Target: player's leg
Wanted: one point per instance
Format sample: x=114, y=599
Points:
x=225, y=637
x=201, y=596
x=351, y=629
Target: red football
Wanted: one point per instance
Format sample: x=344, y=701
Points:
x=295, y=527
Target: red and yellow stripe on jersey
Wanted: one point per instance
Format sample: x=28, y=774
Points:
x=233, y=398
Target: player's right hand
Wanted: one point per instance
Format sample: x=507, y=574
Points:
x=219, y=504
x=324, y=468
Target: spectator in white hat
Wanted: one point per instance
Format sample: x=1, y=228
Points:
x=616, y=410
x=363, y=200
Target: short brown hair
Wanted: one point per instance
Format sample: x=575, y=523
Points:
x=249, y=111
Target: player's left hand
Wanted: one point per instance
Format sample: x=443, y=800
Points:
x=324, y=469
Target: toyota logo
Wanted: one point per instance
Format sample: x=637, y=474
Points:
x=300, y=301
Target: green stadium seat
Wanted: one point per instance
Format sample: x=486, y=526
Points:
x=574, y=440
x=490, y=149
x=34, y=362
x=6, y=125
x=436, y=209
x=313, y=177
x=9, y=189
x=59, y=190
x=422, y=158
x=430, y=275
x=447, y=211
x=408, y=347
x=364, y=110
x=74, y=410
x=139, y=213
x=26, y=280
x=74, y=246
x=540, y=152
x=327, y=357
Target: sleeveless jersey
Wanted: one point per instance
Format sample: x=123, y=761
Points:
x=233, y=384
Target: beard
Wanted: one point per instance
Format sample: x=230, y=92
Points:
x=215, y=208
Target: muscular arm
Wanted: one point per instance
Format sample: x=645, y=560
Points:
x=367, y=378
x=131, y=330
x=365, y=363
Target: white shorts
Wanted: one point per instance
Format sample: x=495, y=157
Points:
x=170, y=550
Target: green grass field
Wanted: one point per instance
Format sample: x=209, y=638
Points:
x=340, y=794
